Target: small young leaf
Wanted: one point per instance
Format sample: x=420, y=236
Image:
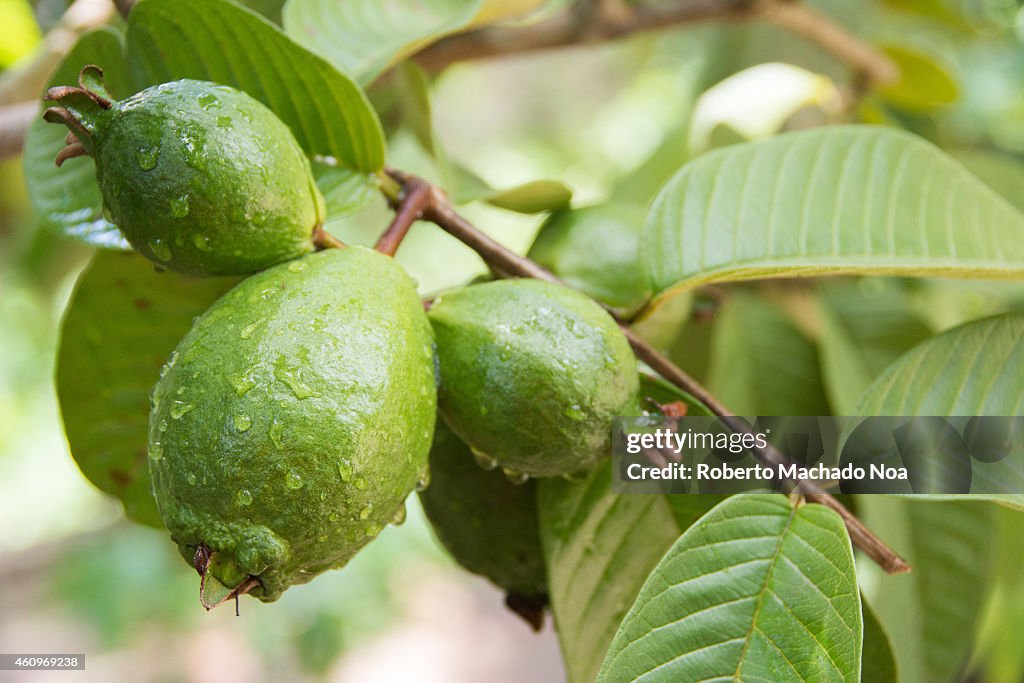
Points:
x=854, y=199
x=923, y=85
x=758, y=589
x=122, y=322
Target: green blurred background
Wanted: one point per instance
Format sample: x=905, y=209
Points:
x=612, y=121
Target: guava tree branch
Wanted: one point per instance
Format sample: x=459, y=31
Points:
x=616, y=20
x=438, y=210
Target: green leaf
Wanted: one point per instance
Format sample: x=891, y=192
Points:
x=222, y=42
x=932, y=612
x=761, y=364
x=974, y=369
x=1002, y=172
x=923, y=85
x=599, y=548
x=536, y=196
x=66, y=198
x=853, y=199
x=345, y=191
x=757, y=589
x=365, y=37
x=861, y=332
x=878, y=661
x=122, y=322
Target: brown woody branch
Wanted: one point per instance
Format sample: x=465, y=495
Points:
x=437, y=209
x=616, y=20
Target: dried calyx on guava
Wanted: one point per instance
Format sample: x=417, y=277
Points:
x=531, y=375
x=199, y=177
x=292, y=421
x=487, y=523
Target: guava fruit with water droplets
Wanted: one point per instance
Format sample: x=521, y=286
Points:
x=294, y=419
x=201, y=178
x=488, y=523
x=531, y=375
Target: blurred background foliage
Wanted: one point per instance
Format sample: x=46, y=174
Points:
x=612, y=122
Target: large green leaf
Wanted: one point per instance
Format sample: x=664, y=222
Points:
x=761, y=364
x=974, y=369
x=66, y=198
x=365, y=37
x=853, y=199
x=599, y=547
x=122, y=322
x=924, y=84
x=759, y=589
x=932, y=612
x=219, y=41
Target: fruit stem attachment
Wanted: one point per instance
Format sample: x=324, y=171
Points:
x=412, y=200
x=508, y=264
x=325, y=240
x=80, y=108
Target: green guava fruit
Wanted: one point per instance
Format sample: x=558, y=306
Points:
x=293, y=420
x=487, y=523
x=200, y=178
x=532, y=374
x=596, y=250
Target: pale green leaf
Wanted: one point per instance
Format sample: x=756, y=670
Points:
x=365, y=37
x=878, y=661
x=599, y=547
x=853, y=199
x=122, y=322
x=862, y=331
x=761, y=364
x=759, y=589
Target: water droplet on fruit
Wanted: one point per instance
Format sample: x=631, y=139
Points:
x=293, y=481
x=159, y=250
x=484, y=410
x=485, y=461
x=243, y=497
x=209, y=101
x=156, y=451
x=147, y=158
x=290, y=377
x=333, y=517
x=575, y=412
x=275, y=434
x=423, y=481
x=372, y=529
x=345, y=470
x=360, y=483
x=201, y=242
x=296, y=266
x=251, y=327
x=399, y=517
x=515, y=476
x=162, y=426
x=191, y=478
x=242, y=422
x=243, y=381
x=180, y=409
x=366, y=511
x=179, y=206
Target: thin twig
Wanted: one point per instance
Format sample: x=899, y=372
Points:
x=441, y=212
x=325, y=240
x=565, y=30
x=409, y=209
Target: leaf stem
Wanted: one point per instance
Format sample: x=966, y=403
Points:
x=439, y=210
x=411, y=202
